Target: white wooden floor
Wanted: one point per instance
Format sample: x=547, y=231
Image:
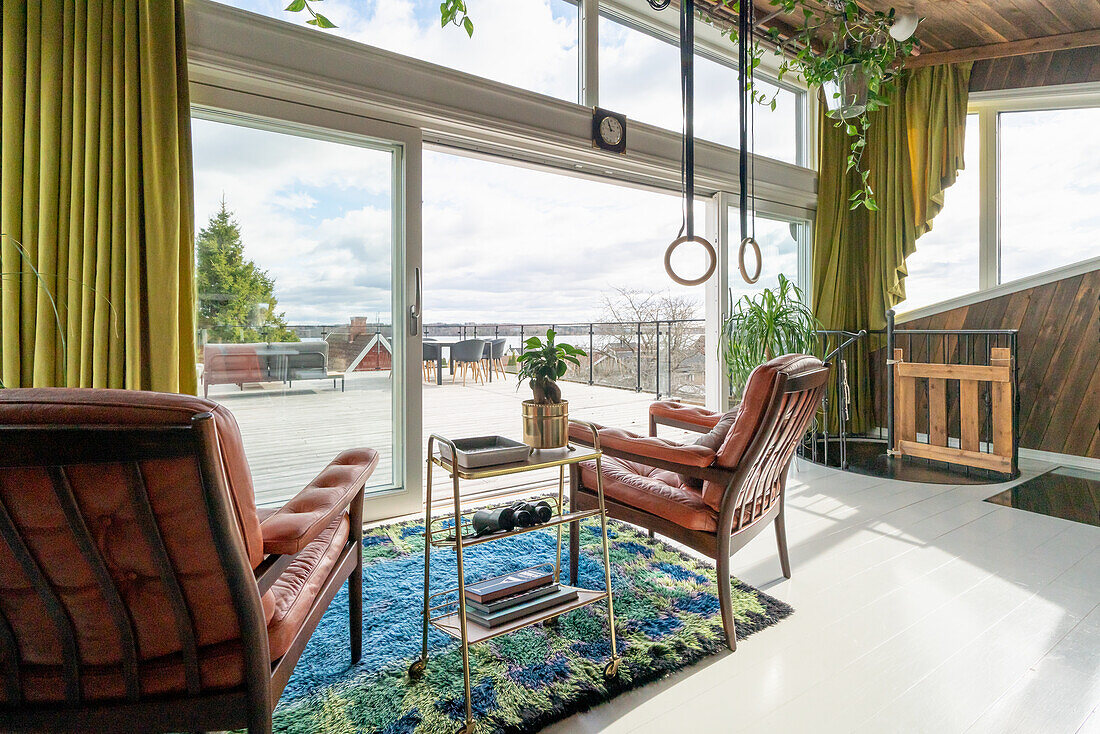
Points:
x=918, y=608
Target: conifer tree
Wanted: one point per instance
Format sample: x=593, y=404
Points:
x=236, y=298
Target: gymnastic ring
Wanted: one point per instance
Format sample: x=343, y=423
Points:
x=712, y=257
x=741, y=260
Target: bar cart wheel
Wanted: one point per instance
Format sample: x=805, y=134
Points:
x=416, y=670
x=611, y=670
x=466, y=729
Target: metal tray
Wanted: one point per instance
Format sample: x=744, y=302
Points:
x=485, y=451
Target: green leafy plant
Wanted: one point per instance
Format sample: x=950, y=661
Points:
x=837, y=38
x=773, y=322
x=318, y=20
x=543, y=362
x=27, y=265
x=450, y=11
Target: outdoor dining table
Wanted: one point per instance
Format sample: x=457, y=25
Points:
x=447, y=346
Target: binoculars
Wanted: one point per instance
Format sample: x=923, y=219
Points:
x=518, y=515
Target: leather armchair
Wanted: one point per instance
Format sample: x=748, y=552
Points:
x=140, y=588
x=717, y=494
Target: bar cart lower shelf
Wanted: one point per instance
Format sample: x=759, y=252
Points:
x=450, y=614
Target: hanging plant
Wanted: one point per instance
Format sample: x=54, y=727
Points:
x=450, y=11
x=852, y=55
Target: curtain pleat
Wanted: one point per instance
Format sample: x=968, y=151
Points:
x=914, y=152
x=96, y=196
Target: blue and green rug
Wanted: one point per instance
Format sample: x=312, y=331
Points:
x=665, y=607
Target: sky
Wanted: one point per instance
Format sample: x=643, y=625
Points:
x=503, y=243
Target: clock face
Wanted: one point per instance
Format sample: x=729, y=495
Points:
x=611, y=130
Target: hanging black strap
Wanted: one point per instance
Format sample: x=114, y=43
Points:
x=687, y=93
x=744, y=32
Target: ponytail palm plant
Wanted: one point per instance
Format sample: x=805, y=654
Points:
x=543, y=362
x=773, y=322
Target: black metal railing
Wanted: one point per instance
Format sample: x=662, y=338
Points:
x=831, y=426
x=664, y=356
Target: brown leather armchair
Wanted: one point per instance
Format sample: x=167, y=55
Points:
x=140, y=589
x=717, y=494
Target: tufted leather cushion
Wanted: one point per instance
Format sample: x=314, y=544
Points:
x=296, y=589
x=712, y=440
x=751, y=414
x=290, y=528
x=80, y=406
x=616, y=439
x=102, y=492
x=655, y=491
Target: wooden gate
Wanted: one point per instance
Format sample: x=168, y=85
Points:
x=1000, y=453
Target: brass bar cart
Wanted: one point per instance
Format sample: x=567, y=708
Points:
x=449, y=615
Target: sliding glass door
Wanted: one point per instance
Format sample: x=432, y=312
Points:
x=307, y=252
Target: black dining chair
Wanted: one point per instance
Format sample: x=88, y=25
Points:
x=431, y=359
x=496, y=356
x=466, y=354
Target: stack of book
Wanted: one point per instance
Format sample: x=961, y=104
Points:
x=502, y=599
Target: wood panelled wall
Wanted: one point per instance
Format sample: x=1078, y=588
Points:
x=1072, y=66
x=1059, y=358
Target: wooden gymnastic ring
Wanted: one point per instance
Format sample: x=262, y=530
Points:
x=741, y=260
x=711, y=255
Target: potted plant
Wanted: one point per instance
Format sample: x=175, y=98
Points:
x=852, y=54
x=546, y=415
x=773, y=322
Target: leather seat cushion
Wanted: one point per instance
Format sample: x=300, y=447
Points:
x=293, y=594
x=651, y=490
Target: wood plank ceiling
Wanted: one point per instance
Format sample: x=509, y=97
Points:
x=952, y=24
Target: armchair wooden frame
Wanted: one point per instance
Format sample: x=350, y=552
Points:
x=754, y=489
x=251, y=704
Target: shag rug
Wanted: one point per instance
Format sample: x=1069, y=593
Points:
x=666, y=612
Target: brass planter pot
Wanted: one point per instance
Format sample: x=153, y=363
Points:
x=546, y=426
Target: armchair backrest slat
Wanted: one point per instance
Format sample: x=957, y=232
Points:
x=781, y=399
x=124, y=571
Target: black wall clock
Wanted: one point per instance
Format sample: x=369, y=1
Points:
x=608, y=130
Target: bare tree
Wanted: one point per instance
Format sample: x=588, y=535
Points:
x=650, y=324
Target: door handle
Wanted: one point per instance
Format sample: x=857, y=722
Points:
x=414, y=309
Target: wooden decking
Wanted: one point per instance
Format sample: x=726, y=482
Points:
x=290, y=435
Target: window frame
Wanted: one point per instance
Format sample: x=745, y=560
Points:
x=988, y=106
x=710, y=45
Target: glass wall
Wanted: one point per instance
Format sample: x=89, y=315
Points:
x=531, y=44
x=1050, y=189
x=294, y=245
x=640, y=77
x=518, y=247
x=945, y=264
x=779, y=249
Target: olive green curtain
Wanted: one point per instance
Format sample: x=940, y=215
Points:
x=96, y=205
x=914, y=152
